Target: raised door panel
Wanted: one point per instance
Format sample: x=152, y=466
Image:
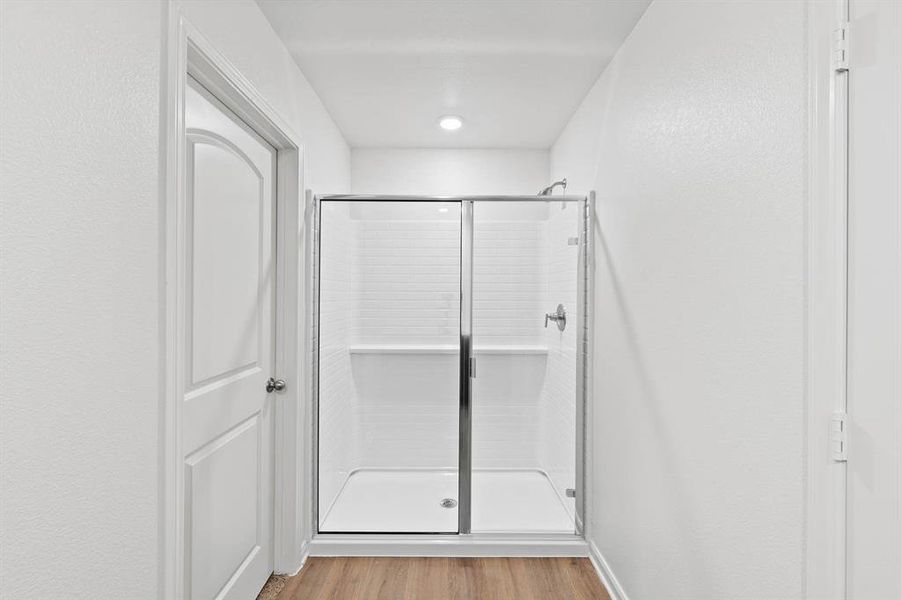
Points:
x=227, y=468
x=226, y=202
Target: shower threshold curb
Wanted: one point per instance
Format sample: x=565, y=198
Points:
x=465, y=545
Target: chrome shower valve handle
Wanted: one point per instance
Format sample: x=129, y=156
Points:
x=558, y=317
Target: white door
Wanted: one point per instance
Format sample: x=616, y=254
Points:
x=229, y=291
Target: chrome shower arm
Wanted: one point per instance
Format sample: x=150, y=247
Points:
x=550, y=189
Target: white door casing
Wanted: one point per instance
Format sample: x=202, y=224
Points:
x=227, y=352
x=874, y=302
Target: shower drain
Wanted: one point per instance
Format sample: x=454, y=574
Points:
x=448, y=503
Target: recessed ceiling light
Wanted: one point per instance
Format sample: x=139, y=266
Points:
x=450, y=123
x=442, y=210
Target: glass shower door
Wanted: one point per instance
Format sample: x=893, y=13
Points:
x=389, y=354
x=525, y=262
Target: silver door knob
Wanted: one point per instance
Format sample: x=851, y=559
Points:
x=275, y=385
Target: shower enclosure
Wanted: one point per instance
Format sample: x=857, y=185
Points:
x=450, y=359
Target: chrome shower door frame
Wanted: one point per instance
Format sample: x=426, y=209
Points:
x=464, y=463
x=382, y=543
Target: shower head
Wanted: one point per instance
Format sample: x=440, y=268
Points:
x=550, y=189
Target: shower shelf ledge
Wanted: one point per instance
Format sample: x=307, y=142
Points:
x=444, y=349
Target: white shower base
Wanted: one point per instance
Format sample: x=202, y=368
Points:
x=389, y=500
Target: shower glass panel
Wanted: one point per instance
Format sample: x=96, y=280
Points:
x=389, y=339
x=524, y=396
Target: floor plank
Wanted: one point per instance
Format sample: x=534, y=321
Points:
x=393, y=578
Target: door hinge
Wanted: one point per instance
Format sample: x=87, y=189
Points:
x=841, y=60
x=472, y=367
x=838, y=436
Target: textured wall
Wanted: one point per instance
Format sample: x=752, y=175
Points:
x=81, y=300
x=438, y=172
x=694, y=138
x=244, y=36
x=81, y=277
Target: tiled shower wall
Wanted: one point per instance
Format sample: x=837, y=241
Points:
x=406, y=323
x=508, y=295
x=558, y=395
x=406, y=329
x=406, y=284
x=339, y=421
x=393, y=303
x=508, y=280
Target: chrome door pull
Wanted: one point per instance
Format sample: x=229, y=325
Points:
x=275, y=385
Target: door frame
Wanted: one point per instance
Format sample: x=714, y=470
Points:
x=189, y=53
x=826, y=303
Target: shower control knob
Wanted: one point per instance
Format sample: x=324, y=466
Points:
x=558, y=317
x=275, y=385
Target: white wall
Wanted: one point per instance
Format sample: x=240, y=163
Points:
x=81, y=298
x=81, y=277
x=694, y=138
x=239, y=31
x=440, y=172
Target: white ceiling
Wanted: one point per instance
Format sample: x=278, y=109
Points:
x=514, y=70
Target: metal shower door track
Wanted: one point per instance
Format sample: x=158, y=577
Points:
x=404, y=198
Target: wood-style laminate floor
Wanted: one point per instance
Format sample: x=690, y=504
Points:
x=393, y=578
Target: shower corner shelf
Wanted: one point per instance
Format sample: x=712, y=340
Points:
x=444, y=349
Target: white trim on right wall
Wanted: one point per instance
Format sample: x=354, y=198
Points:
x=605, y=573
x=826, y=310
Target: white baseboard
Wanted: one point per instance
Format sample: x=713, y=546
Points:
x=304, y=555
x=605, y=573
